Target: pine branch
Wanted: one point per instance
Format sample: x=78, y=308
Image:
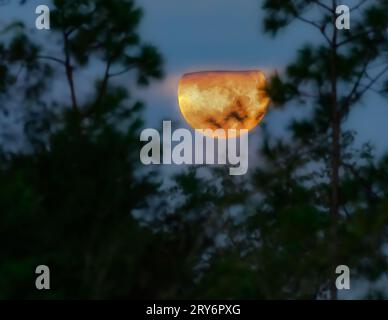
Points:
x=366, y=185
x=361, y=3
x=316, y=25
x=119, y=73
x=357, y=36
x=60, y=61
x=322, y=5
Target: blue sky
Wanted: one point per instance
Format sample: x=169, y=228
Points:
x=221, y=34
x=227, y=34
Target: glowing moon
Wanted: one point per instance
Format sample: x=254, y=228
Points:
x=223, y=99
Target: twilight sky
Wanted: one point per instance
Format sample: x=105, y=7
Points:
x=220, y=35
x=195, y=35
x=227, y=34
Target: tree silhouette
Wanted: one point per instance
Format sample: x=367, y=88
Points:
x=67, y=200
x=333, y=77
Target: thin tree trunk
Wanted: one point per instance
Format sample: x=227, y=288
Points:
x=69, y=73
x=335, y=162
x=70, y=80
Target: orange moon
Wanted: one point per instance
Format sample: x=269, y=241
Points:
x=223, y=100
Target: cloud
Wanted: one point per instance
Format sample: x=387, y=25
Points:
x=168, y=87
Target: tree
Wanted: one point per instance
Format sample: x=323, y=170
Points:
x=314, y=201
x=68, y=199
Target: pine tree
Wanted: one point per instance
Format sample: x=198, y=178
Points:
x=320, y=174
x=67, y=197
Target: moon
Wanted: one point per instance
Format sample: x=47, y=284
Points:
x=223, y=100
